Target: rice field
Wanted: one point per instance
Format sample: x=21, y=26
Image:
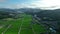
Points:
x=20, y=26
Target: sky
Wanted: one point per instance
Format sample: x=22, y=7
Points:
x=42, y=4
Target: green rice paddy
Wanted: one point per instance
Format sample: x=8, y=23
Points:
x=20, y=26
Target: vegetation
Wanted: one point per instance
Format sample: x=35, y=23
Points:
x=15, y=21
x=20, y=26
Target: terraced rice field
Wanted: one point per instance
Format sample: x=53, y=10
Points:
x=20, y=26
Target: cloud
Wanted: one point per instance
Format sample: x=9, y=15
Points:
x=42, y=4
x=17, y=6
x=47, y=4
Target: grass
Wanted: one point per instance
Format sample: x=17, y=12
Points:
x=25, y=28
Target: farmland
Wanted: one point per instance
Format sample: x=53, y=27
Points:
x=21, y=25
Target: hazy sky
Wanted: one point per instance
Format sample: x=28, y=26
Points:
x=42, y=4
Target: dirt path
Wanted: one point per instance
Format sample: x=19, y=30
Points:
x=33, y=29
x=6, y=29
x=20, y=26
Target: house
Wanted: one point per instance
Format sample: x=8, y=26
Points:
x=50, y=20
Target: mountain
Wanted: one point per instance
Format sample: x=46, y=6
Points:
x=55, y=14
